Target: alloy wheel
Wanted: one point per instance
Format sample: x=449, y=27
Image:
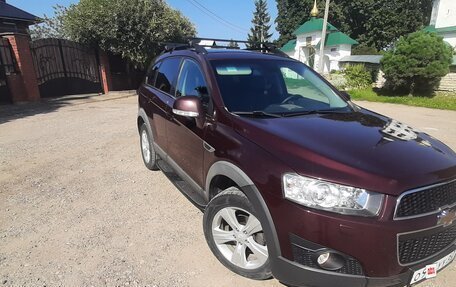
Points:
x=239, y=237
x=145, y=146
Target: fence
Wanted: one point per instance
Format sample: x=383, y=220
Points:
x=64, y=67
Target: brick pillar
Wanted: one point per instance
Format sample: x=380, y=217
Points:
x=105, y=72
x=27, y=89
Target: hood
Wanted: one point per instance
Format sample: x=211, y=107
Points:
x=361, y=149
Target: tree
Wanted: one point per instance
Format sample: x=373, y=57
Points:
x=260, y=29
x=374, y=23
x=390, y=19
x=52, y=27
x=132, y=29
x=291, y=14
x=233, y=44
x=363, y=49
x=417, y=63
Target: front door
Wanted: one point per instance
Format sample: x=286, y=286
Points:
x=185, y=138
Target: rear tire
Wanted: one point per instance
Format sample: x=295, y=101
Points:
x=235, y=235
x=148, y=153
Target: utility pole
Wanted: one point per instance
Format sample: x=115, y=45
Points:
x=323, y=39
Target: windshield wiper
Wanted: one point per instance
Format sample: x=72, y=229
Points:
x=303, y=113
x=258, y=114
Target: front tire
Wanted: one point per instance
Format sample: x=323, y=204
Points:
x=235, y=235
x=148, y=153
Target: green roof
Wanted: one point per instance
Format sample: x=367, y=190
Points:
x=338, y=38
x=432, y=28
x=289, y=47
x=314, y=24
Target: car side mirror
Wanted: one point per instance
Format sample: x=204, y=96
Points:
x=189, y=106
x=346, y=95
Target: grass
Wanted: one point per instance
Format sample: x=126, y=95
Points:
x=441, y=100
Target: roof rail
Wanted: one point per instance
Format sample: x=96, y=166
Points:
x=194, y=43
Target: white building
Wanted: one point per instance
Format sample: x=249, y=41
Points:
x=443, y=20
x=306, y=46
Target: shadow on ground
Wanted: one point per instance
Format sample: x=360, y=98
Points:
x=12, y=112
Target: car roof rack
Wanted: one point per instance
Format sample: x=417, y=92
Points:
x=194, y=43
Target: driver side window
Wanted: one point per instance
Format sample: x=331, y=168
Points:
x=191, y=82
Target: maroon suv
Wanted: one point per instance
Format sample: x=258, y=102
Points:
x=295, y=180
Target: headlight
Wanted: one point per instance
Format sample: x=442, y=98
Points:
x=329, y=196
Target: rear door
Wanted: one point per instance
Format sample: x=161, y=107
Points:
x=185, y=138
x=161, y=83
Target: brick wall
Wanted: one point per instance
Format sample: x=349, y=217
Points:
x=23, y=87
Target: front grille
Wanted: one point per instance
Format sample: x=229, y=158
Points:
x=305, y=257
x=427, y=200
x=414, y=247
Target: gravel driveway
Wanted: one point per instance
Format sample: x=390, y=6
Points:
x=78, y=208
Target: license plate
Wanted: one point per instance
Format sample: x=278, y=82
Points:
x=430, y=271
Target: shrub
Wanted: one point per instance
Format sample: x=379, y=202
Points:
x=337, y=80
x=417, y=63
x=357, y=77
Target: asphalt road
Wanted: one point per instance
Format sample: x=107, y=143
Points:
x=78, y=208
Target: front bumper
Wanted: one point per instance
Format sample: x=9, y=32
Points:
x=294, y=274
x=371, y=243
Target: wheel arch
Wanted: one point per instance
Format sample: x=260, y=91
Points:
x=227, y=170
x=144, y=119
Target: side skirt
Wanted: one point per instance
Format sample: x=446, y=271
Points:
x=181, y=179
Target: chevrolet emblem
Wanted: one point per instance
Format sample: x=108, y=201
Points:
x=446, y=217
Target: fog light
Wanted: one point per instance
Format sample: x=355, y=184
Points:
x=330, y=261
x=323, y=258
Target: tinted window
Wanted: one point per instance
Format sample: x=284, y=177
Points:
x=167, y=74
x=273, y=86
x=191, y=81
x=151, y=74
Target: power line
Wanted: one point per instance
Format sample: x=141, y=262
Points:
x=229, y=23
x=216, y=17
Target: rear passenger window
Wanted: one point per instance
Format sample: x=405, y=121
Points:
x=151, y=74
x=167, y=74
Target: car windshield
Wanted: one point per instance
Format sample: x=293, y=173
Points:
x=280, y=87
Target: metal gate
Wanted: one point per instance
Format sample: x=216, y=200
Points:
x=64, y=67
x=7, y=66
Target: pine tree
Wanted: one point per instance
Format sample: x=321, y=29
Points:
x=233, y=44
x=261, y=25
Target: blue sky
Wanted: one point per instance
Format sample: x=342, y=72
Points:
x=237, y=12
